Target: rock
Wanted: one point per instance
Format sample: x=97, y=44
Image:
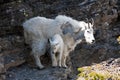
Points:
x=21, y=10
x=2, y=68
x=12, y=15
x=12, y=51
x=0, y=49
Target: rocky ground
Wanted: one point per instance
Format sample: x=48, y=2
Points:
x=17, y=64
x=106, y=70
x=24, y=72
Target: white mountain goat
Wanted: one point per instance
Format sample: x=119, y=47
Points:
x=38, y=30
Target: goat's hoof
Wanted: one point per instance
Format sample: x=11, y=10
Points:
x=41, y=68
x=60, y=66
x=54, y=66
x=65, y=67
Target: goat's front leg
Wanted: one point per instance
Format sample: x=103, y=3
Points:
x=64, y=61
x=53, y=58
x=60, y=59
x=38, y=62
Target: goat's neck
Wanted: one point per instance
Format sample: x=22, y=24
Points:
x=79, y=36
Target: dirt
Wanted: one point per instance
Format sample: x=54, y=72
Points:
x=24, y=72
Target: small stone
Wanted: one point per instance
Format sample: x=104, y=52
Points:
x=10, y=75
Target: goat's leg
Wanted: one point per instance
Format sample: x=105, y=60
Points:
x=53, y=58
x=38, y=62
x=60, y=59
x=64, y=61
x=38, y=49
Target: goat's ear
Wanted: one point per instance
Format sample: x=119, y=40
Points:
x=88, y=24
x=67, y=28
x=56, y=44
x=92, y=22
x=50, y=40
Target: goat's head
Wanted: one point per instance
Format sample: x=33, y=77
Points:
x=80, y=30
x=89, y=32
x=54, y=43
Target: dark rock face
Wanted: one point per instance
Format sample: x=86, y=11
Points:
x=14, y=13
x=106, y=14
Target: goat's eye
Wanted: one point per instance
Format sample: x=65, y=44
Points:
x=56, y=44
x=69, y=48
x=88, y=31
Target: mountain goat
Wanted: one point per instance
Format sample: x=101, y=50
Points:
x=38, y=30
x=64, y=44
x=56, y=49
x=61, y=46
